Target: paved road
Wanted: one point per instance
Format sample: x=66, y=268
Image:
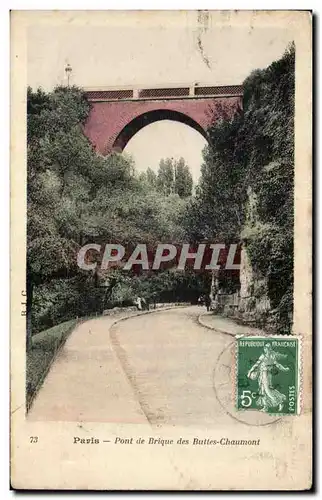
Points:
x=87, y=381
x=161, y=368
x=169, y=360
x=164, y=369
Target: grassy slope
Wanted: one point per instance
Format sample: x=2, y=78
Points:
x=40, y=357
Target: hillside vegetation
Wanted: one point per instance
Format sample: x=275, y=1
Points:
x=247, y=185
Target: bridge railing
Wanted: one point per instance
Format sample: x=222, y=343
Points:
x=193, y=91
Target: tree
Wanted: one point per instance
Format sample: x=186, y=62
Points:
x=183, y=179
x=165, y=180
x=217, y=212
x=173, y=177
x=59, y=163
x=76, y=196
x=151, y=177
x=251, y=157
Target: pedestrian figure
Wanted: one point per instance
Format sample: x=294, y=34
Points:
x=207, y=302
x=200, y=300
x=144, y=304
x=138, y=303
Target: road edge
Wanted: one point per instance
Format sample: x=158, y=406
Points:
x=205, y=325
x=123, y=360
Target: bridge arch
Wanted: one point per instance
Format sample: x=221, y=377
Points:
x=118, y=114
x=141, y=121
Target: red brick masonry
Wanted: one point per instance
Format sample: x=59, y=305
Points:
x=112, y=122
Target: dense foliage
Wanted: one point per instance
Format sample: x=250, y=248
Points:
x=76, y=196
x=246, y=188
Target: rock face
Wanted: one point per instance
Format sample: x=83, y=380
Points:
x=251, y=304
x=246, y=275
x=246, y=271
x=254, y=303
x=253, y=288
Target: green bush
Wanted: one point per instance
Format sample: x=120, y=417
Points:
x=246, y=189
x=42, y=353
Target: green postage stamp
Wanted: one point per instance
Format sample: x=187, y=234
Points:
x=268, y=374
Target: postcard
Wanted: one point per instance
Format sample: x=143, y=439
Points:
x=161, y=281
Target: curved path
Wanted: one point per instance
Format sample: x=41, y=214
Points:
x=166, y=370
x=161, y=368
x=169, y=360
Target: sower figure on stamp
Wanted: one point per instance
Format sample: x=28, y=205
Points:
x=263, y=370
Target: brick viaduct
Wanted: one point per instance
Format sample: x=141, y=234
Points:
x=118, y=114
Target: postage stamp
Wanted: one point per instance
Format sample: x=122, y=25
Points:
x=268, y=374
x=161, y=172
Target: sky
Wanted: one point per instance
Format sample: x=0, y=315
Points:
x=108, y=49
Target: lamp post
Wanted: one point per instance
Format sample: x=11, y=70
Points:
x=68, y=71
